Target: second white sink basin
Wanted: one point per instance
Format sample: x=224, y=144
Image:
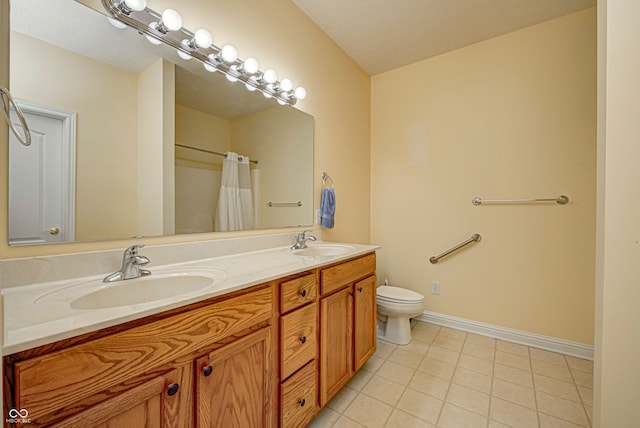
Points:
x=146, y=289
x=326, y=250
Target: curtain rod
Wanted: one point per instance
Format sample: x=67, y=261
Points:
x=210, y=152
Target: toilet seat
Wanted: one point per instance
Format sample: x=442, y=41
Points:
x=398, y=295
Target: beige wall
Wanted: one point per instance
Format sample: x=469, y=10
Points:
x=101, y=145
x=338, y=98
x=617, y=374
x=512, y=117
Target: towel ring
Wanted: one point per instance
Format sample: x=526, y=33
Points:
x=7, y=102
x=326, y=177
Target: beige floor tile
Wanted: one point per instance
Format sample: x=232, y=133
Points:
x=342, y=399
x=396, y=372
x=400, y=419
x=513, y=360
x=476, y=339
x=324, y=419
x=478, y=351
x=437, y=368
x=368, y=411
x=586, y=394
x=514, y=393
x=513, y=375
x=416, y=347
x=551, y=370
x=442, y=354
x=476, y=364
x=512, y=348
x=556, y=387
x=583, y=379
x=359, y=380
x=496, y=424
x=452, y=333
x=469, y=399
x=580, y=364
x=425, y=326
x=423, y=336
x=563, y=409
x=373, y=364
x=472, y=380
x=548, y=357
x=513, y=414
x=384, y=349
x=455, y=417
x=420, y=405
x=547, y=421
x=405, y=358
x=589, y=411
x=448, y=343
x=382, y=389
x=345, y=422
x=430, y=385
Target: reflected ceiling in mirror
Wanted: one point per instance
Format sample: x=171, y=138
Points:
x=134, y=108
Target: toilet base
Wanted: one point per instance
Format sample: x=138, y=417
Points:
x=395, y=330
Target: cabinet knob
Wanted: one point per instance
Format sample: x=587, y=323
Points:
x=302, y=402
x=360, y=289
x=173, y=389
x=303, y=293
x=207, y=370
x=303, y=339
x=350, y=293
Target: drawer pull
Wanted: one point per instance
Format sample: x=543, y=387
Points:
x=173, y=389
x=207, y=370
x=351, y=293
x=303, y=339
x=360, y=289
x=302, y=402
x=303, y=293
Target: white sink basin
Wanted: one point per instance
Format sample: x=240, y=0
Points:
x=326, y=250
x=157, y=286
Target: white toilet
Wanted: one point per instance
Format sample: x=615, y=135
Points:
x=395, y=307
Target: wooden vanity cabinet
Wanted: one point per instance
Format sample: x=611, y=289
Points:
x=347, y=322
x=153, y=374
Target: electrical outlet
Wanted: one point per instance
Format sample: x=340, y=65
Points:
x=435, y=287
x=318, y=217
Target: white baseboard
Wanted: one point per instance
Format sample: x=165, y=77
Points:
x=567, y=347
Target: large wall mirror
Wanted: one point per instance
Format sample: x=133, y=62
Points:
x=130, y=140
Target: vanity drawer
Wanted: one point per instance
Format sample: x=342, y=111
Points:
x=298, y=397
x=54, y=381
x=299, y=339
x=346, y=273
x=298, y=292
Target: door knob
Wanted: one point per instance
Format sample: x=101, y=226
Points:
x=54, y=231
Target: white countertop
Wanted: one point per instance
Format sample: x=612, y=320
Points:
x=40, y=313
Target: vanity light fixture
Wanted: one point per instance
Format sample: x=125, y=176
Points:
x=167, y=28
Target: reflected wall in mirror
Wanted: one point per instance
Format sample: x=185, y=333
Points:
x=146, y=126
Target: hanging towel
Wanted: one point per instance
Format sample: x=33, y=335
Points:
x=327, y=208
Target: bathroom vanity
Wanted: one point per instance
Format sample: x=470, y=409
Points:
x=270, y=352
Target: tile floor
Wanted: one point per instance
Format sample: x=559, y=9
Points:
x=452, y=379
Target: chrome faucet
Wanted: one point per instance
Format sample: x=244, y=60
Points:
x=301, y=240
x=131, y=262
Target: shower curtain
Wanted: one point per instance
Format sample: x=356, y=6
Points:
x=235, y=203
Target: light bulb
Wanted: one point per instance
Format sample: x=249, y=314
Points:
x=266, y=95
x=228, y=53
x=250, y=66
x=249, y=87
x=286, y=85
x=231, y=78
x=282, y=103
x=269, y=76
x=118, y=24
x=171, y=20
x=210, y=68
x=134, y=5
x=151, y=39
x=184, y=55
x=202, y=39
x=300, y=93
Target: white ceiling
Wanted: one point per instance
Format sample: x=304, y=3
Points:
x=381, y=35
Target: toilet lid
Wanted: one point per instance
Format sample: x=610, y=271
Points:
x=397, y=294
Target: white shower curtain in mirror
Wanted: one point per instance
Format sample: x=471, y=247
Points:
x=235, y=203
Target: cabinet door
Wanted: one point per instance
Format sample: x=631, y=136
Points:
x=154, y=403
x=364, y=321
x=234, y=384
x=336, y=321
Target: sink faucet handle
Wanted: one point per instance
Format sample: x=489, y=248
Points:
x=133, y=250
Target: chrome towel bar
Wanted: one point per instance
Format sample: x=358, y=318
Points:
x=560, y=200
x=284, y=204
x=474, y=238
